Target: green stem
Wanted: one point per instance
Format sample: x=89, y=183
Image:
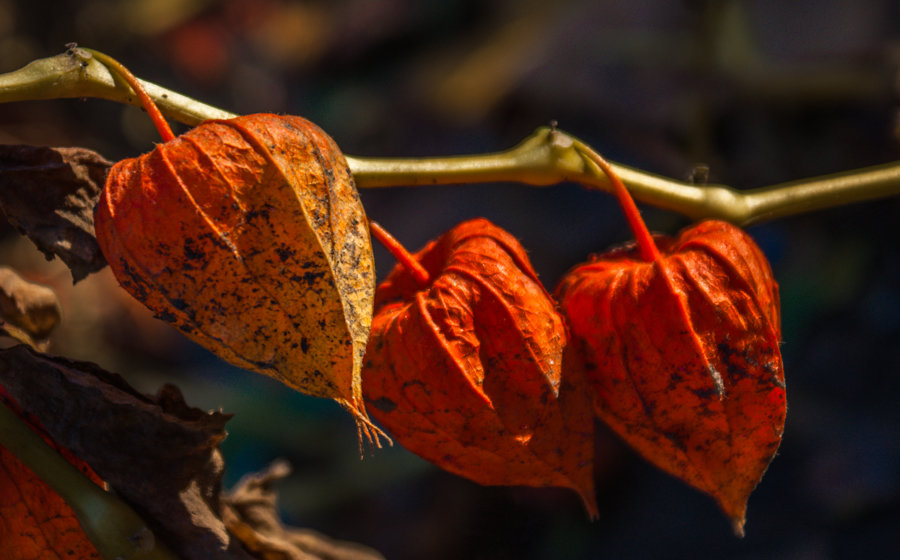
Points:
x=111, y=525
x=78, y=74
x=545, y=158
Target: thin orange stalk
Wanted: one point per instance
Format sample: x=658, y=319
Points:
x=165, y=131
x=401, y=254
x=649, y=251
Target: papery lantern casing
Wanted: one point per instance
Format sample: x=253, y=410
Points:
x=682, y=356
x=248, y=235
x=466, y=372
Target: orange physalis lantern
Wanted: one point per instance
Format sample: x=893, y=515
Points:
x=248, y=235
x=678, y=341
x=464, y=363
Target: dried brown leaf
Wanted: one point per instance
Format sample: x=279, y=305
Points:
x=251, y=514
x=49, y=195
x=28, y=311
x=158, y=453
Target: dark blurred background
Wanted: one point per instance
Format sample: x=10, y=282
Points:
x=761, y=92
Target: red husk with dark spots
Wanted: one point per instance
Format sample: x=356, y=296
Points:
x=466, y=370
x=678, y=340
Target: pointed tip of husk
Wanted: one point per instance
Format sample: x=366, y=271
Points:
x=585, y=490
x=737, y=514
x=737, y=523
x=590, y=504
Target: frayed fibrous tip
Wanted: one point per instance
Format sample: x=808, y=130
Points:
x=368, y=434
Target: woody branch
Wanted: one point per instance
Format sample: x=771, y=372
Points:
x=547, y=157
